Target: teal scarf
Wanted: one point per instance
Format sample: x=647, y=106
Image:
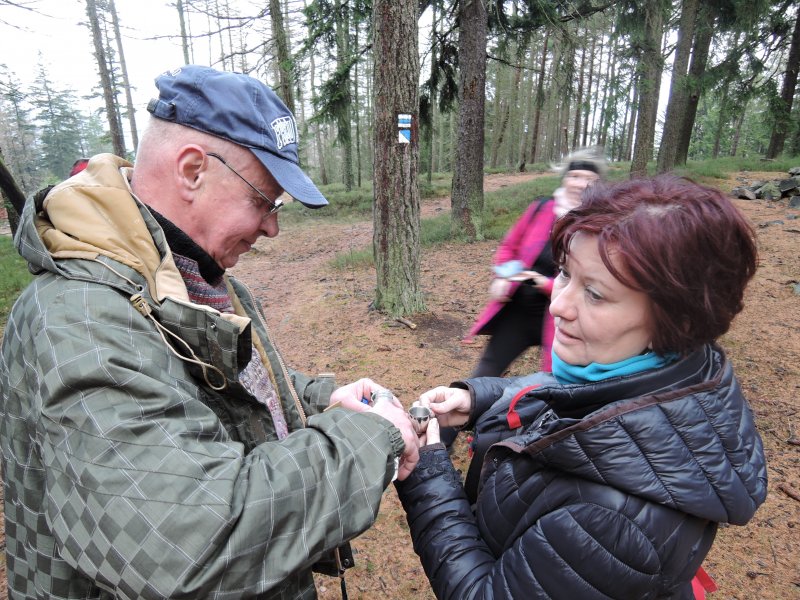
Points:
x=566, y=373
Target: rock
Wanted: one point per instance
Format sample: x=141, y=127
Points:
x=794, y=202
x=789, y=186
x=768, y=191
x=796, y=288
x=743, y=193
x=768, y=223
x=794, y=171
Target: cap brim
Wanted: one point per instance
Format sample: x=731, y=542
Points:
x=292, y=179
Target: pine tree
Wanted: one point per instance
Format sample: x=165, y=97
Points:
x=396, y=212
x=58, y=124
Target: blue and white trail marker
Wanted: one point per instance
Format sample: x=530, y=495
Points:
x=404, y=128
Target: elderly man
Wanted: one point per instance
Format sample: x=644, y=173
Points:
x=154, y=442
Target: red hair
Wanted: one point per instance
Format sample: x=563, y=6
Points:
x=683, y=244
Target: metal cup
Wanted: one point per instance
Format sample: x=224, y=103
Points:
x=381, y=395
x=420, y=416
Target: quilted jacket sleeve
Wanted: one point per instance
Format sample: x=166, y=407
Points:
x=488, y=392
x=579, y=551
x=314, y=392
x=144, y=491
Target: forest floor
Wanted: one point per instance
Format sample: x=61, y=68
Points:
x=323, y=322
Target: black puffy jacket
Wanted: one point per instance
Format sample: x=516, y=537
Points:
x=606, y=490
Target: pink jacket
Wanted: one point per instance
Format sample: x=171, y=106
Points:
x=524, y=241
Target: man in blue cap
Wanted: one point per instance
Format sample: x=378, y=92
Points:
x=154, y=442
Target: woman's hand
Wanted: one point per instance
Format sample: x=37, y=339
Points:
x=498, y=289
x=540, y=282
x=431, y=435
x=451, y=406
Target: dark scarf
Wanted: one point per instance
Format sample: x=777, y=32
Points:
x=206, y=286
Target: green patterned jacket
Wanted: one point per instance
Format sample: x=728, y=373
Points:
x=134, y=463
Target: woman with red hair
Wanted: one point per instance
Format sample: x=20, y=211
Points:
x=609, y=477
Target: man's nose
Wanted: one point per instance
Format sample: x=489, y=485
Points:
x=269, y=226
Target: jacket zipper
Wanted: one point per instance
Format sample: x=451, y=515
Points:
x=286, y=376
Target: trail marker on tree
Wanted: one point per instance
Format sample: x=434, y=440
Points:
x=404, y=128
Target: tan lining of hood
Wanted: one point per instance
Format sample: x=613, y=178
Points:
x=96, y=214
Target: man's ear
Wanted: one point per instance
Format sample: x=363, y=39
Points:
x=190, y=168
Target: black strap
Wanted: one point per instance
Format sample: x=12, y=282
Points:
x=344, y=560
x=540, y=202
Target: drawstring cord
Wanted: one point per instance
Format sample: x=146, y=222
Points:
x=143, y=308
x=141, y=305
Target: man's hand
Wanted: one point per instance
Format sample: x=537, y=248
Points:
x=394, y=412
x=350, y=395
x=450, y=405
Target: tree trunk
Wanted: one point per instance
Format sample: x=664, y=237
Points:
x=344, y=120
x=584, y=139
x=621, y=139
x=396, y=212
x=537, y=117
x=282, y=55
x=357, y=123
x=678, y=89
x=323, y=173
x=794, y=141
x=230, y=37
x=702, y=44
x=467, y=192
x=632, y=121
x=722, y=120
x=602, y=129
x=184, y=35
x=551, y=113
x=576, y=129
x=112, y=111
x=13, y=198
x=125, y=81
x=738, y=131
x=526, y=119
x=565, y=95
x=515, y=114
x=599, y=88
x=649, y=78
x=783, y=109
x=429, y=127
x=502, y=116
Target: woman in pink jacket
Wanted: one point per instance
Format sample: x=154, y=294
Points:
x=516, y=316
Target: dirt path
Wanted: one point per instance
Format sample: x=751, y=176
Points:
x=323, y=323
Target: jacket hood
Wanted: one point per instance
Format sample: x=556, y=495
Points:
x=95, y=214
x=692, y=446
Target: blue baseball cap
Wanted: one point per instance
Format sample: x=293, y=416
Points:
x=242, y=110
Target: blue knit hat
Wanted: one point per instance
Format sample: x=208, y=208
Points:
x=242, y=110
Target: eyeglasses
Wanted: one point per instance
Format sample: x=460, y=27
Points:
x=273, y=206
